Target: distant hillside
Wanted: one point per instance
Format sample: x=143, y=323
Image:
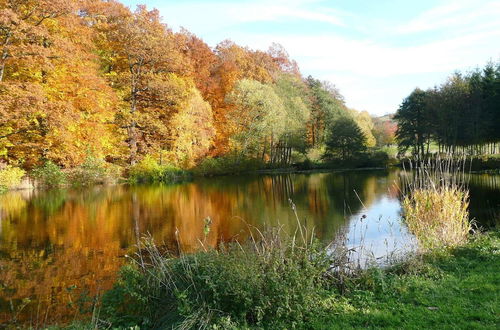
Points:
x=385, y=118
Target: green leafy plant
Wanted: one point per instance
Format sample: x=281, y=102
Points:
x=148, y=170
x=229, y=164
x=93, y=171
x=49, y=175
x=272, y=280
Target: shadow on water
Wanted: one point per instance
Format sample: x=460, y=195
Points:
x=56, y=245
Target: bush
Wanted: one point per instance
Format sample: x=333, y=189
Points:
x=372, y=159
x=228, y=164
x=271, y=282
x=93, y=171
x=49, y=175
x=359, y=160
x=10, y=177
x=148, y=170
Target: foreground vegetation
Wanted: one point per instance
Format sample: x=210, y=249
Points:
x=277, y=284
x=445, y=289
x=436, y=202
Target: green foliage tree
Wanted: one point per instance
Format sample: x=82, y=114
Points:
x=413, y=123
x=345, y=139
x=461, y=115
x=258, y=115
x=326, y=106
x=365, y=123
x=293, y=93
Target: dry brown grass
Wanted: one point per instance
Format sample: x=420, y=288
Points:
x=436, y=202
x=438, y=216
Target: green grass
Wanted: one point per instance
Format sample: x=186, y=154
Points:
x=276, y=288
x=454, y=289
x=271, y=282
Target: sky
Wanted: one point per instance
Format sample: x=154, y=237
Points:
x=375, y=52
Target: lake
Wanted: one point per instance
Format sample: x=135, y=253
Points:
x=60, y=247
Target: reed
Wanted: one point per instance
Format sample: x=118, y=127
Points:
x=436, y=200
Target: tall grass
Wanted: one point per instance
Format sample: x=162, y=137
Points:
x=436, y=201
x=272, y=279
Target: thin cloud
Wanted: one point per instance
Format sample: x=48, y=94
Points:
x=215, y=15
x=375, y=60
x=453, y=15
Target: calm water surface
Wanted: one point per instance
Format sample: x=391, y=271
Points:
x=59, y=246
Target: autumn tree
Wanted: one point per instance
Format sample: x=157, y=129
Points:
x=384, y=130
x=201, y=62
x=91, y=76
x=56, y=104
x=189, y=123
x=23, y=34
x=281, y=58
x=138, y=50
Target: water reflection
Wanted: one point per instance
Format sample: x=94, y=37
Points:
x=56, y=245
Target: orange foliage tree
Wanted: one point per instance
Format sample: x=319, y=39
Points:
x=80, y=76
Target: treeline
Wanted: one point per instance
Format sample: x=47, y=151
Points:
x=80, y=77
x=461, y=116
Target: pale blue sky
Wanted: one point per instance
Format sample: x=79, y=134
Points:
x=375, y=52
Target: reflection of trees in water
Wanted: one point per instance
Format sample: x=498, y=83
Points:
x=484, y=204
x=48, y=248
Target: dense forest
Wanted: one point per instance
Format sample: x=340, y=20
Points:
x=461, y=116
x=80, y=77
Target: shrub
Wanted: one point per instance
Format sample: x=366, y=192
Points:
x=10, y=177
x=148, y=170
x=436, y=203
x=372, y=159
x=49, y=175
x=228, y=164
x=359, y=160
x=315, y=154
x=270, y=282
x=93, y=171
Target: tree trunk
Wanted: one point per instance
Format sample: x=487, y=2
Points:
x=4, y=56
x=132, y=128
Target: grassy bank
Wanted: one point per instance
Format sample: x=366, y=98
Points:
x=280, y=285
x=95, y=171
x=447, y=289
